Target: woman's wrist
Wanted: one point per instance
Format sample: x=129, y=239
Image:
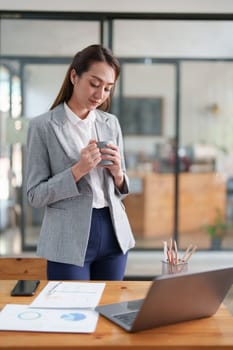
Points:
x=119, y=180
x=76, y=172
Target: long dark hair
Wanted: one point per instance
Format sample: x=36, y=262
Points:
x=81, y=63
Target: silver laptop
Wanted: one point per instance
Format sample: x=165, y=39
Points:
x=171, y=299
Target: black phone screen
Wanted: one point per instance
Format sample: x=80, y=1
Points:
x=25, y=287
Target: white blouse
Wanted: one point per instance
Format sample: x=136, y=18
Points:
x=82, y=131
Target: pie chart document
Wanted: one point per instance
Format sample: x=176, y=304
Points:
x=16, y=317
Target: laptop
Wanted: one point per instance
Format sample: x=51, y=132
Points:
x=172, y=299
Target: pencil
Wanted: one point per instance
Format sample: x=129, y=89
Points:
x=186, y=252
x=190, y=254
x=176, y=253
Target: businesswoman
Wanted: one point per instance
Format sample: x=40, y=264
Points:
x=85, y=233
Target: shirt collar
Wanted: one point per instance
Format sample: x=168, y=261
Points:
x=74, y=118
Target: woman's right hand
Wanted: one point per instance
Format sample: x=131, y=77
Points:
x=90, y=156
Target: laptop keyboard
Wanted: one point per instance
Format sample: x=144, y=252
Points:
x=127, y=318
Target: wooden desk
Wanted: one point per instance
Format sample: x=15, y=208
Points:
x=215, y=332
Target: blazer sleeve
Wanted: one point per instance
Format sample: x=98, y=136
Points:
x=125, y=190
x=43, y=188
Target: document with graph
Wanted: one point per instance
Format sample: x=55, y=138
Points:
x=15, y=317
x=71, y=295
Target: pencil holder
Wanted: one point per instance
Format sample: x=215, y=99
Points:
x=172, y=268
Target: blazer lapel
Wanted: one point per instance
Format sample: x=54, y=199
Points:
x=103, y=129
x=58, y=122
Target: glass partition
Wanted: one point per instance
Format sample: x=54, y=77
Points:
x=173, y=100
x=206, y=142
x=146, y=111
x=173, y=39
x=33, y=66
x=192, y=155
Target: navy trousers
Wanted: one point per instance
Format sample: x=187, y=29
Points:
x=104, y=259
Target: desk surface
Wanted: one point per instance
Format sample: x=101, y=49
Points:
x=215, y=332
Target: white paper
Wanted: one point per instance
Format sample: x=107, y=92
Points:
x=14, y=317
x=69, y=295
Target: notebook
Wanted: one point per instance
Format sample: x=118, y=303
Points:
x=172, y=299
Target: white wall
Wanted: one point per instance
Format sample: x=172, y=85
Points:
x=203, y=85
x=121, y=5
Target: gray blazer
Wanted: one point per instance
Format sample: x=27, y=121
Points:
x=68, y=205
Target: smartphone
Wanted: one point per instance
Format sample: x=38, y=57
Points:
x=25, y=288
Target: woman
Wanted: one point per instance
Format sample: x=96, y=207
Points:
x=85, y=232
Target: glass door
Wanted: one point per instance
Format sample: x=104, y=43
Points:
x=146, y=111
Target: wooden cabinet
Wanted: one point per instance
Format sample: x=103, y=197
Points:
x=151, y=212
